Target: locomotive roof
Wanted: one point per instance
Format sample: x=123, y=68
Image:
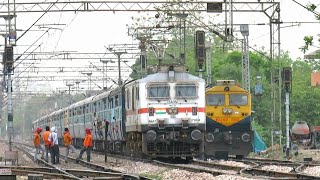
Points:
x=164, y=77
x=222, y=89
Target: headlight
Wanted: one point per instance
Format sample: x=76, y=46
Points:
x=172, y=110
x=245, y=137
x=227, y=111
x=151, y=135
x=209, y=137
x=175, y=110
x=196, y=135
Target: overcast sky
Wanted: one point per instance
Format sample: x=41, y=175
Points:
x=92, y=31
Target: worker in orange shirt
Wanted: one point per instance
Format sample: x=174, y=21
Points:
x=87, y=145
x=67, y=138
x=36, y=142
x=45, y=137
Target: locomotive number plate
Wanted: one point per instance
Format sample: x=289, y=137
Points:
x=228, y=119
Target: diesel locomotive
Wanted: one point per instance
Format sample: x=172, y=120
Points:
x=228, y=121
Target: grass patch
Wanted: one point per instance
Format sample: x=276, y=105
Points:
x=155, y=175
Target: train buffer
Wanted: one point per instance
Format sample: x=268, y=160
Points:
x=11, y=156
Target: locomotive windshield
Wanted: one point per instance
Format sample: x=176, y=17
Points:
x=158, y=92
x=215, y=99
x=238, y=99
x=186, y=91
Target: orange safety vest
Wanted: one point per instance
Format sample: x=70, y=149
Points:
x=45, y=137
x=67, y=138
x=36, y=140
x=87, y=140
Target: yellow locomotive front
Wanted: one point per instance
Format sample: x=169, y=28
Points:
x=228, y=120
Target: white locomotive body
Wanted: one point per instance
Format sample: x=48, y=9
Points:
x=161, y=115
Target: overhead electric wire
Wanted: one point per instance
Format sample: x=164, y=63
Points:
x=314, y=12
x=46, y=11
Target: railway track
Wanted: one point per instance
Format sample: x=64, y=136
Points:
x=296, y=173
x=251, y=169
x=57, y=172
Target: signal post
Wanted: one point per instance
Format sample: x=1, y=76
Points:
x=287, y=83
x=8, y=67
x=200, y=51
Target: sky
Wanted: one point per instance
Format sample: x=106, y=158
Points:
x=94, y=31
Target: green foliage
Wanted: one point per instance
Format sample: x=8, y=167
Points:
x=311, y=7
x=308, y=41
x=260, y=129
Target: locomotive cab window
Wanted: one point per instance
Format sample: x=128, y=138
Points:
x=238, y=99
x=158, y=91
x=184, y=91
x=215, y=99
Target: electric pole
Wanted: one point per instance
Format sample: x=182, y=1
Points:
x=287, y=82
x=245, y=57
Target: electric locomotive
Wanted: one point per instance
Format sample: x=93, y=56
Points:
x=228, y=121
x=161, y=115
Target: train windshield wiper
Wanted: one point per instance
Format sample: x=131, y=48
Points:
x=185, y=100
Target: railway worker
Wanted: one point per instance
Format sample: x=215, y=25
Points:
x=67, y=138
x=54, y=146
x=87, y=145
x=36, y=142
x=45, y=137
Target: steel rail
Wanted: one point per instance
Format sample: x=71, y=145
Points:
x=99, y=170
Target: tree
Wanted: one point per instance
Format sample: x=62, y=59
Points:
x=309, y=40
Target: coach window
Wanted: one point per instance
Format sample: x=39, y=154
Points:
x=137, y=93
x=128, y=99
x=215, y=99
x=186, y=91
x=238, y=99
x=111, y=103
x=116, y=101
x=94, y=108
x=132, y=97
x=104, y=103
x=158, y=91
